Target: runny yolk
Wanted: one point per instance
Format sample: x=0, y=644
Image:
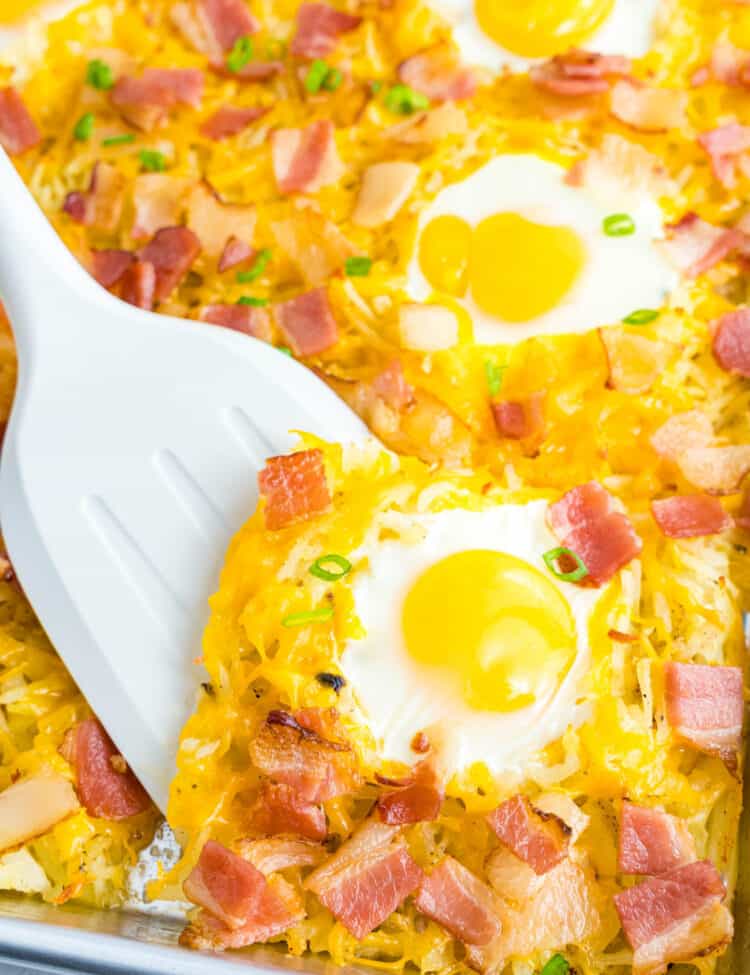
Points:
x=519, y=269
x=541, y=28
x=444, y=247
x=493, y=624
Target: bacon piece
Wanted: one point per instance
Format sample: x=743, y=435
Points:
x=674, y=918
x=648, y=109
x=106, y=789
x=424, y=128
x=206, y=933
x=158, y=200
x=705, y=707
x=145, y=101
x=294, y=487
x=316, y=767
x=307, y=322
x=138, y=285
x=227, y=20
x=578, y=73
x=392, y=387
x=731, y=342
x=319, y=27
x=367, y=879
x=728, y=65
x=717, y=470
x=253, y=71
x=416, y=800
x=651, y=841
x=18, y=130
x=171, y=252
x=229, y=887
x=461, y=902
x=184, y=85
x=229, y=120
x=304, y=160
x=690, y=516
x=108, y=266
x=539, y=839
x=313, y=243
x=386, y=186
x=280, y=810
x=681, y=432
x=695, y=246
x=235, y=252
x=725, y=146
x=520, y=419
x=438, y=74
x=635, y=361
x=101, y=205
x=586, y=520
x=215, y=222
x=281, y=852
x=240, y=318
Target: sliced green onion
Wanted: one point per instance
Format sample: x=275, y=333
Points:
x=99, y=75
x=494, y=374
x=152, y=160
x=119, y=140
x=333, y=80
x=311, y=616
x=644, y=316
x=252, y=301
x=285, y=349
x=241, y=54
x=316, y=75
x=357, y=267
x=618, y=225
x=84, y=127
x=403, y=100
x=259, y=265
x=557, y=965
x=552, y=557
x=343, y=567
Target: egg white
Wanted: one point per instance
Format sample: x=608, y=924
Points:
x=629, y=30
x=621, y=274
x=398, y=698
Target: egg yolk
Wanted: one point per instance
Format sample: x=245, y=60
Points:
x=444, y=254
x=494, y=624
x=541, y=28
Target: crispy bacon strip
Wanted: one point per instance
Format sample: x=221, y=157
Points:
x=367, y=879
x=417, y=800
x=651, y=841
x=577, y=73
x=392, y=386
x=281, y=852
x=694, y=246
x=438, y=74
x=726, y=146
x=227, y=886
x=461, y=902
x=539, y=839
x=230, y=120
x=213, y=26
x=138, y=285
x=690, y=516
x=279, y=809
x=171, y=253
x=215, y=222
x=307, y=322
x=731, y=342
x=294, y=487
x=108, y=266
x=705, y=707
x=18, y=130
x=305, y=160
x=100, y=206
x=520, y=419
x=145, y=101
x=319, y=27
x=240, y=318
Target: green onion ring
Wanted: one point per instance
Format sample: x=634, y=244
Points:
x=310, y=616
x=318, y=570
x=551, y=558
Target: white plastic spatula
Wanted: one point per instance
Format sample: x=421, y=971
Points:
x=130, y=460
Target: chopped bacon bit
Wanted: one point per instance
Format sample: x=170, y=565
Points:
x=206, y=933
x=461, y=902
x=586, y=520
x=674, y=918
x=386, y=186
x=145, y=102
x=648, y=109
x=539, y=839
x=253, y=71
x=705, y=707
x=694, y=246
x=415, y=801
x=294, y=487
x=520, y=419
x=281, y=852
x=171, y=252
x=392, y=387
x=304, y=160
x=240, y=318
x=425, y=128
x=579, y=73
x=690, y=516
x=635, y=361
x=184, y=85
x=106, y=793
x=101, y=205
x=652, y=842
x=108, y=266
x=681, y=432
x=717, y=470
x=725, y=146
x=229, y=120
x=215, y=222
x=307, y=322
x=280, y=810
x=235, y=252
x=159, y=199
x=323, y=722
x=18, y=130
x=227, y=20
x=318, y=29
x=227, y=886
x=731, y=342
x=138, y=285
x=367, y=879
x=438, y=74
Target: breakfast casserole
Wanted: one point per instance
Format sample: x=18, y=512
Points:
x=475, y=689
